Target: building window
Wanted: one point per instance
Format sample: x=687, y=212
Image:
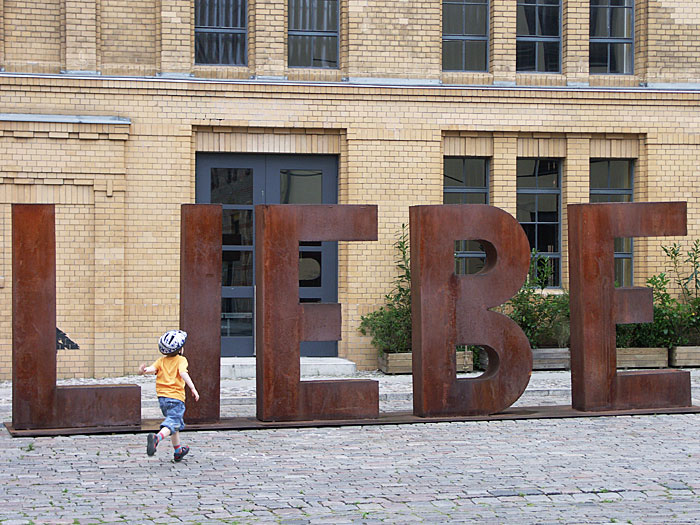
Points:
x=313, y=33
x=220, y=32
x=538, y=210
x=538, y=36
x=466, y=181
x=612, y=33
x=465, y=29
x=613, y=181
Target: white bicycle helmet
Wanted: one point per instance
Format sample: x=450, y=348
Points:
x=171, y=341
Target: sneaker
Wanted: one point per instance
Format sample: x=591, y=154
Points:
x=152, y=444
x=183, y=452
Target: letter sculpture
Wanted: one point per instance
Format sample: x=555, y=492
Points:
x=447, y=310
x=37, y=403
x=450, y=309
x=200, y=305
x=282, y=322
x=596, y=306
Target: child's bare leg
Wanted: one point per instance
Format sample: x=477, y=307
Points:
x=164, y=432
x=175, y=439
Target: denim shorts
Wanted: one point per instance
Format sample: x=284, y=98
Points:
x=174, y=411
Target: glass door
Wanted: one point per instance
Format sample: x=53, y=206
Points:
x=306, y=179
x=238, y=182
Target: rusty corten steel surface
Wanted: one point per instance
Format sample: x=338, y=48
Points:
x=36, y=401
x=449, y=310
x=282, y=322
x=200, y=306
x=101, y=406
x=33, y=315
x=596, y=306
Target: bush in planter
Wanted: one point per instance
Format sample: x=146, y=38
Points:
x=543, y=316
x=676, y=320
x=390, y=326
x=670, y=321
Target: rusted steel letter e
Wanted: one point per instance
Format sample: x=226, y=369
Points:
x=282, y=322
x=596, y=306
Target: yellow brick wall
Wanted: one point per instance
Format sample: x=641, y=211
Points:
x=75, y=286
x=124, y=183
x=398, y=173
x=80, y=30
x=118, y=187
x=673, y=46
x=395, y=39
x=72, y=166
x=376, y=40
x=32, y=36
x=575, y=20
x=127, y=37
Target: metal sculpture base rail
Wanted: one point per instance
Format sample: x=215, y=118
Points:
x=390, y=418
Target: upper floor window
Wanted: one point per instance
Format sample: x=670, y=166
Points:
x=466, y=181
x=465, y=29
x=220, y=32
x=313, y=33
x=612, y=34
x=539, y=210
x=538, y=36
x=612, y=181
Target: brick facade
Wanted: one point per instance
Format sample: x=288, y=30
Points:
x=103, y=110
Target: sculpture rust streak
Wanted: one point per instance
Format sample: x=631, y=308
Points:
x=449, y=310
x=37, y=403
x=282, y=322
x=200, y=305
x=596, y=306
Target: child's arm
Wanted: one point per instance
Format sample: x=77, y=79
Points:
x=143, y=369
x=188, y=380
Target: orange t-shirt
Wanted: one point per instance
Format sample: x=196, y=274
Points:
x=168, y=380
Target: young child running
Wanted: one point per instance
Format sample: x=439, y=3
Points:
x=171, y=377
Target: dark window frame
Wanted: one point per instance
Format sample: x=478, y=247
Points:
x=608, y=40
x=464, y=38
x=460, y=254
x=313, y=34
x=618, y=191
x=538, y=39
x=554, y=257
x=222, y=31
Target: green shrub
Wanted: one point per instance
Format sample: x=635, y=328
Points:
x=543, y=316
x=390, y=325
x=676, y=320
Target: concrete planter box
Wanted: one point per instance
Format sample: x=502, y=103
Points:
x=681, y=356
x=402, y=363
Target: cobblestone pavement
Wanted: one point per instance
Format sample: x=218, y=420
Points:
x=641, y=469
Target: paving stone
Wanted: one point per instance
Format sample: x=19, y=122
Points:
x=589, y=470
